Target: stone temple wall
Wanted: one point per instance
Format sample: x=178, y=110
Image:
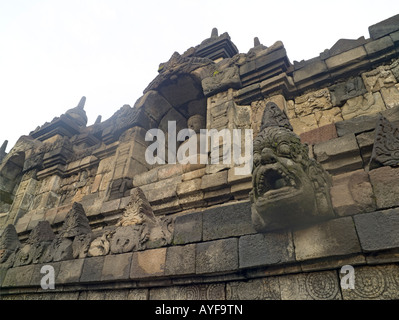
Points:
x=84, y=200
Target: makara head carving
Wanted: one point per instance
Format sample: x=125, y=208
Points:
x=289, y=189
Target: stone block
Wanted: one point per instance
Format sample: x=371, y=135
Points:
x=218, y=196
x=148, y=263
x=194, y=174
x=227, y=221
x=255, y=289
x=356, y=125
x=385, y=185
x=241, y=191
x=193, y=200
x=384, y=27
x=379, y=46
x=374, y=283
x=352, y=193
x=162, y=191
x=213, y=291
x=346, y=58
x=92, y=269
x=116, y=267
x=310, y=286
x=304, y=124
x=378, y=230
x=116, y=295
x=70, y=271
x=339, y=155
x=19, y=276
x=391, y=96
x=189, y=187
x=188, y=228
x=180, y=260
x=144, y=178
x=368, y=104
x=264, y=249
x=110, y=206
x=332, y=238
x=214, y=181
x=365, y=141
x=315, y=68
x=217, y=256
x=170, y=170
x=318, y=135
x=37, y=276
x=138, y=294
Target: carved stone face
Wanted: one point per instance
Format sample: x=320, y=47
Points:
x=289, y=189
x=196, y=123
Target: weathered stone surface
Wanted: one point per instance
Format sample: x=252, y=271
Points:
x=257, y=289
x=9, y=242
x=385, y=185
x=265, y=249
x=313, y=101
x=391, y=96
x=381, y=77
x=378, y=230
x=70, y=271
x=368, y=104
x=18, y=277
x=76, y=222
x=324, y=133
x=227, y=221
x=339, y=155
x=188, y=228
x=92, y=269
x=346, y=58
x=384, y=27
x=217, y=256
x=386, y=144
x=352, y=193
x=180, y=260
x=127, y=239
x=374, y=283
x=116, y=267
x=304, y=124
x=214, y=181
x=221, y=80
x=310, y=286
x=332, y=238
x=214, y=291
x=343, y=91
x=148, y=263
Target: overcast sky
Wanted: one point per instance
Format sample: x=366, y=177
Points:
x=53, y=52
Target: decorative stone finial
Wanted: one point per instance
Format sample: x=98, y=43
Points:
x=214, y=33
x=81, y=103
x=98, y=120
x=256, y=42
x=3, y=147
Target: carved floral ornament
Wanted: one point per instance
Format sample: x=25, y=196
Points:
x=137, y=229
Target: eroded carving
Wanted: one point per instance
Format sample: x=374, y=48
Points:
x=9, y=243
x=386, y=144
x=138, y=228
x=76, y=222
x=288, y=188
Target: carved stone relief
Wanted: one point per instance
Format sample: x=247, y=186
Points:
x=288, y=188
x=386, y=144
